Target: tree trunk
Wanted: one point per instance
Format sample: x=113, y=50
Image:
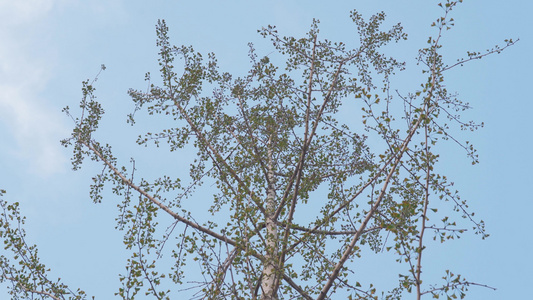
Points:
x=268, y=283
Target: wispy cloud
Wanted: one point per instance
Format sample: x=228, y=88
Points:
x=24, y=112
x=24, y=11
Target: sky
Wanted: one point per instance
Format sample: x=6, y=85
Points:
x=48, y=47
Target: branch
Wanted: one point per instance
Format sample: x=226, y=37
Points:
x=298, y=171
x=455, y=285
x=327, y=232
x=30, y=290
x=306, y=146
x=418, y=276
x=461, y=230
x=479, y=56
x=155, y=201
x=348, y=251
x=223, y=268
x=296, y=287
x=252, y=137
x=345, y=204
x=212, y=149
x=186, y=221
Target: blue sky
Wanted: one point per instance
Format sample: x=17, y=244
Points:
x=49, y=46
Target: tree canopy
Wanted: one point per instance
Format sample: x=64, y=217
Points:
x=313, y=159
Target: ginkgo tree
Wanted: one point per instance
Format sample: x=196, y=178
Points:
x=299, y=192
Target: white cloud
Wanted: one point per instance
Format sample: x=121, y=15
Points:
x=34, y=128
x=23, y=75
x=24, y=11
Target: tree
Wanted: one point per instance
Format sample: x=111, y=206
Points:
x=300, y=194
